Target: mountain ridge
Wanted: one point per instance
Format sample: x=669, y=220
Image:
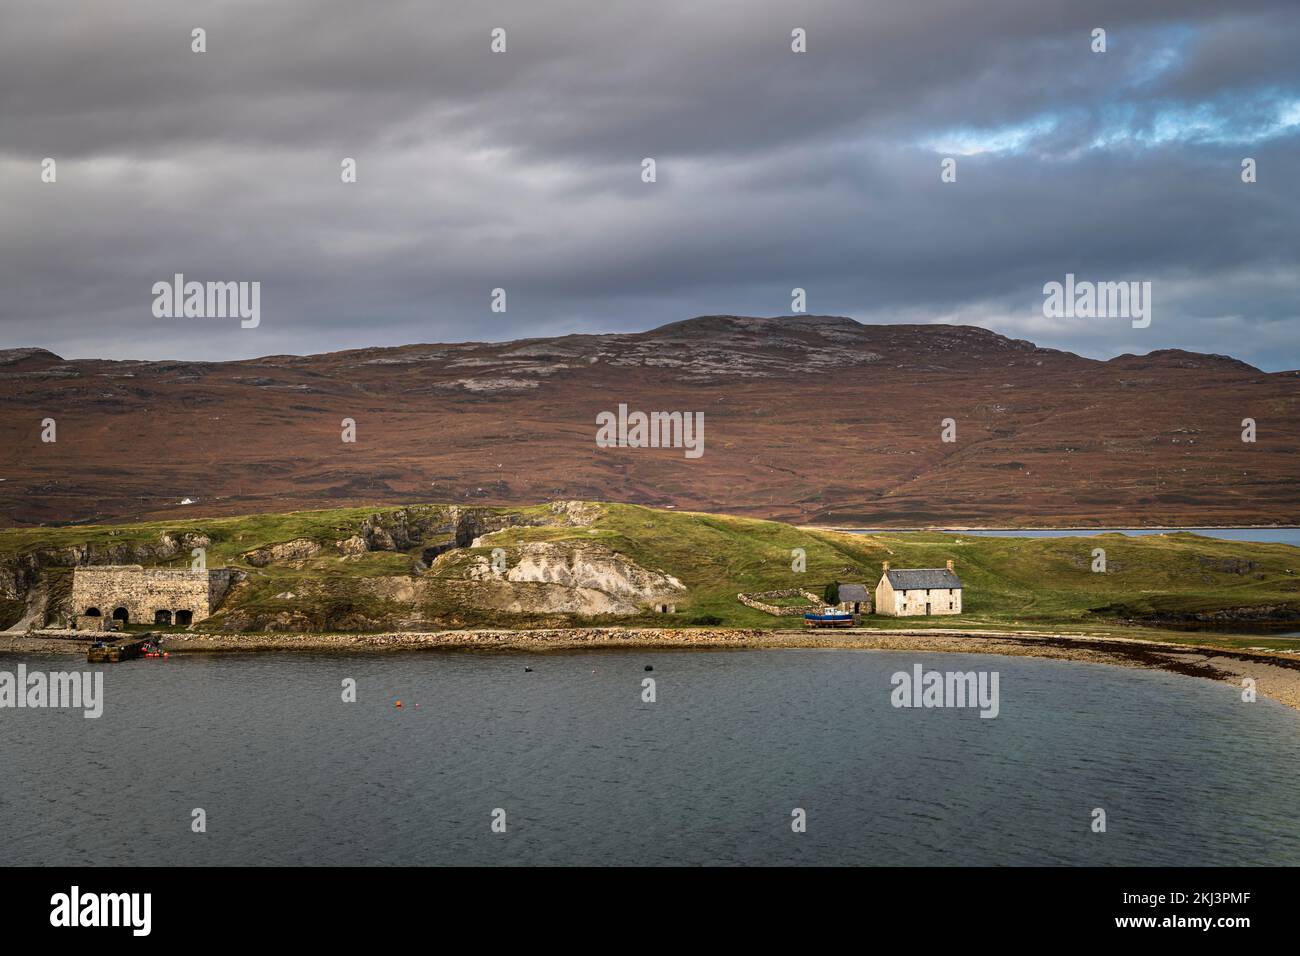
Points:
x=811, y=419
x=693, y=325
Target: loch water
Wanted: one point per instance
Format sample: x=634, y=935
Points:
x=588, y=772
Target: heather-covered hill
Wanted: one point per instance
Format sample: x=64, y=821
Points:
x=810, y=419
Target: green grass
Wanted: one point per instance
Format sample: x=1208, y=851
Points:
x=1030, y=583
x=1026, y=583
x=230, y=537
x=789, y=602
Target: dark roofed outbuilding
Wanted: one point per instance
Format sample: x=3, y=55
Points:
x=855, y=598
x=850, y=593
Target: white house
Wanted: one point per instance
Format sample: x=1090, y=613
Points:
x=910, y=591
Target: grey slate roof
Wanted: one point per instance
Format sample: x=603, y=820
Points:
x=854, y=592
x=918, y=579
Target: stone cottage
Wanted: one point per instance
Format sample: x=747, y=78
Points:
x=910, y=591
x=854, y=598
x=133, y=594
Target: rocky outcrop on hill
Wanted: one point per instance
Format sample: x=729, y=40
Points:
x=295, y=550
x=577, y=513
x=401, y=530
x=407, y=528
x=582, y=578
x=32, y=590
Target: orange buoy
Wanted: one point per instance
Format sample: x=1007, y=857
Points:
x=398, y=704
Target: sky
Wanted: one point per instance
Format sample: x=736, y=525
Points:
x=522, y=170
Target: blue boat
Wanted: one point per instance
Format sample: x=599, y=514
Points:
x=828, y=618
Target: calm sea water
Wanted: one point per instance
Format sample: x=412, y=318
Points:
x=1268, y=535
x=587, y=773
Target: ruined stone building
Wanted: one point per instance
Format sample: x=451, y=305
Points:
x=854, y=598
x=909, y=591
x=136, y=595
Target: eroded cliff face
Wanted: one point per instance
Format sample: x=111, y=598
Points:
x=565, y=577
x=407, y=528
x=35, y=584
x=541, y=583
x=399, y=569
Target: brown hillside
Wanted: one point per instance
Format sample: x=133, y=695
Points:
x=807, y=419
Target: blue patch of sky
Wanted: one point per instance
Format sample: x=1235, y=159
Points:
x=1239, y=120
x=972, y=141
x=1129, y=121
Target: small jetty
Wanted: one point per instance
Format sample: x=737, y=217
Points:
x=104, y=652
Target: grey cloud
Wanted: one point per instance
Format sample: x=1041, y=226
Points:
x=522, y=170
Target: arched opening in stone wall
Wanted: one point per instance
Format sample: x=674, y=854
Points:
x=185, y=618
x=122, y=614
x=93, y=612
x=162, y=617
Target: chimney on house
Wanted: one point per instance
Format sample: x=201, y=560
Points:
x=950, y=564
x=884, y=565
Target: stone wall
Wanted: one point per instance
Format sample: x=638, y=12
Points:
x=89, y=622
x=864, y=607
x=754, y=601
x=145, y=591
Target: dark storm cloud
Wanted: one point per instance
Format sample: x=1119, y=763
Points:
x=521, y=170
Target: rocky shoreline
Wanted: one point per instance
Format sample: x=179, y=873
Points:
x=1277, y=675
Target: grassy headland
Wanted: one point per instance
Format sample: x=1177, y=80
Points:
x=300, y=573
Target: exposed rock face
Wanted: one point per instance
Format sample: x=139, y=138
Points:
x=399, y=530
x=20, y=573
x=404, y=529
x=32, y=592
x=353, y=545
x=381, y=539
x=577, y=513
x=35, y=607
x=186, y=542
x=587, y=578
x=295, y=550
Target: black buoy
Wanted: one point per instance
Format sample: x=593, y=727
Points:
x=528, y=670
x=649, y=668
